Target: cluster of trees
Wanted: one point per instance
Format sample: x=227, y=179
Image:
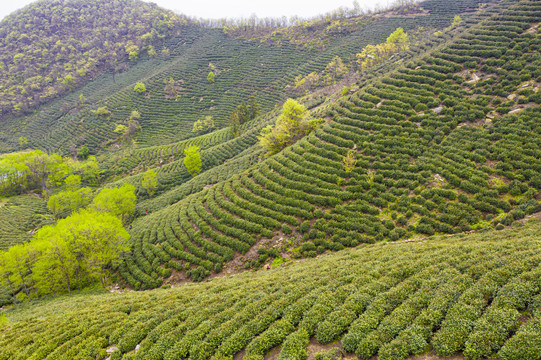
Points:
x=243, y=113
x=77, y=251
x=334, y=71
x=309, y=33
x=74, y=253
x=70, y=42
x=131, y=126
x=71, y=199
x=253, y=22
x=35, y=170
x=292, y=125
x=375, y=54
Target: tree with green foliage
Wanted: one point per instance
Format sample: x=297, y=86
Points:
x=308, y=82
x=46, y=171
x=243, y=113
x=72, y=199
x=23, y=142
x=123, y=133
x=69, y=80
x=140, y=88
x=117, y=201
x=31, y=170
x=457, y=20
x=102, y=111
x=72, y=182
x=77, y=250
x=132, y=51
x=203, y=126
x=234, y=124
x=83, y=152
x=210, y=77
x=69, y=201
x=192, y=160
x=16, y=269
x=88, y=169
x=150, y=181
x=253, y=108
x=397, y=37
x=375, y=54
x=335, y=70
x=349, y=161
x=290, y=127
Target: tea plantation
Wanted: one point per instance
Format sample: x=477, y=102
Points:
x=435, y=155
x=478, y=294
x=20, y=216
x=401, y=222
x=242, y=68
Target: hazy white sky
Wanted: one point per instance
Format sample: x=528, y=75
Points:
x=233, y=8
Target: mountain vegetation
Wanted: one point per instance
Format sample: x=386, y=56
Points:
x=357, y=185
x=50, y=47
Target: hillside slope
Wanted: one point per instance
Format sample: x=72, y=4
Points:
x=448, y=143
x=51, y=46
x=380, y=299
x=167, y=113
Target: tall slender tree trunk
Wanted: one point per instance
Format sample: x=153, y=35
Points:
x=68, y=282
x=77, y=277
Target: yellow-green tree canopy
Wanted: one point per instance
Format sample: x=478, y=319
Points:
x=203, y=126
x=192, y=160
x=69, y=200
x=375, y=54
x=72, y=182
x=140, y=88
x=150, y=181
x=72, y=254
x=117, y=201
x=290, y=127
x=397, y=37
x=335, y=70
x=457, y=20
x=31, y=170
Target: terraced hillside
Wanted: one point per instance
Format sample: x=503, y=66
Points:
x=20, y=216
x=169, y=110
x=405, y=225
x=448, y=143
x=476, y=294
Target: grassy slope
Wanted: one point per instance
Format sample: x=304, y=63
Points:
x=381, y=299
x=435, y=155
